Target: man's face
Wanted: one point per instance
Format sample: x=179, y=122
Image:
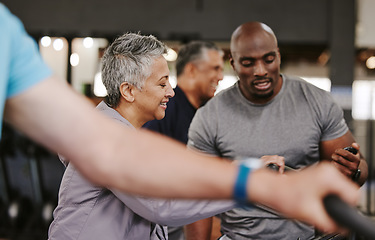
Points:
x=152, y=99
x=256, y=60
x=209, y=72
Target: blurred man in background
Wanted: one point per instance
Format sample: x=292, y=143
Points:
x=199, y=68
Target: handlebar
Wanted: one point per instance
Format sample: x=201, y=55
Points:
x=341, y=212
x=344, y=214
x=349, y=217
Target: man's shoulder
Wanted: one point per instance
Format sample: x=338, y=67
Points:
x=223, y=95
x=179, y=98
x=5, y=14
x=222, y=101
x=298, y=88
x=299, y=82
x=9, y=23
x=292, y=79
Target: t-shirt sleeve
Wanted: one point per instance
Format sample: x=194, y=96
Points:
x=173, y=212
x=334, y=124
x=202, y=131
x=26, y=65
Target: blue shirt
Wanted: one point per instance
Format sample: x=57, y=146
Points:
x=178, y=117
x=21, y=65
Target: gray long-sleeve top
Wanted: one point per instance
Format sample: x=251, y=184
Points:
x=86, y=211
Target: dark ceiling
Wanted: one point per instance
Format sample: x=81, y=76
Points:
x=304, y=28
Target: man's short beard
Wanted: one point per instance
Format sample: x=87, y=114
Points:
x=264, y=96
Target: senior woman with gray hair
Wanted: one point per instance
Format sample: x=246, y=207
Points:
x=136, y=77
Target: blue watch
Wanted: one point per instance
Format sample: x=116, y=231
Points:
x=244, y=170
x=240, y=190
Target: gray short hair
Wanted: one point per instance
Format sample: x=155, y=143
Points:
x=194, y=52
x=129, y=59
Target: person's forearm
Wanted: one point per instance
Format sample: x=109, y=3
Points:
x=173, y=212
x=194, y=175
x=112, y=155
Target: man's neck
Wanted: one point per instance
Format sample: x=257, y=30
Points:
x=187, y=86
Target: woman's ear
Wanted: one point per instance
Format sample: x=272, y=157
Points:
x=127, y=92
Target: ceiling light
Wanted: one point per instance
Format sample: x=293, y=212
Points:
x=74, y=59
x=58, y=44
x=99, y=88
x=171, y=55
x=370, y=62
x=88, y=42
x=45, y=41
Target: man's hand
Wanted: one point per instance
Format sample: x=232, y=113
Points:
x=299, y=195
x=345, y=161
x=274, y=159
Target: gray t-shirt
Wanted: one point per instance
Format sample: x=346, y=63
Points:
x=291, y=125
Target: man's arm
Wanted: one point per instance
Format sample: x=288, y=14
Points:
x=61, y=119
x=199, y=230
x=346, y=162
x=141, y=162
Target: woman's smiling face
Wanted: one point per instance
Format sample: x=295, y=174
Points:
x=152, y=99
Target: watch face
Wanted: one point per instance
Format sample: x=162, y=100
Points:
x=356, y=175
x=252, y=163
